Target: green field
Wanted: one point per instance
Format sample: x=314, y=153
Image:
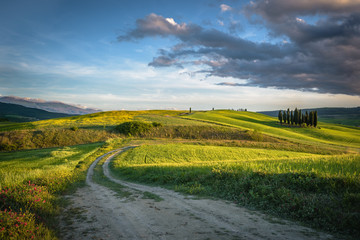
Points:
x=32, y=182
x=95, y=120
x=320, y=190
x=326, y=133
x=305, y=174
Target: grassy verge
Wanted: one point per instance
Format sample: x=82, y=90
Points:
x=32, y=182
x=100, y=178
x=322, y=191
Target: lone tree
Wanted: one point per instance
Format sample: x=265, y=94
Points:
x=280, y=116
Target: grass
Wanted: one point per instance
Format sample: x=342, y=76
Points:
x=33, y=139
x=32, y=182
x=326, y=133
x=100, y=178
x=99, y=120
x=306, y=174
x=320, y=190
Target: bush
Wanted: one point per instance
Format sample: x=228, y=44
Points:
x=156, y=124
x=74, y=128
x=134, y=128
x=255, y=135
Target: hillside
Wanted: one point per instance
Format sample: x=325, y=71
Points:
x=307, y=174
x=345, y=116
x=18, y=113
x=50, y=106
x=326, y=133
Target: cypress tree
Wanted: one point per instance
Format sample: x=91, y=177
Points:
x=284, y=116
x=288, y=116
x=315, y=119
x=307, y=118
x=311, y=118
x=292, y=117
x=300, y=117
x=280, y=116
x=296, y=116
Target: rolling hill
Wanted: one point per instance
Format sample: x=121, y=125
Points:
x=345, y=116
x=50, y=106
x=18, y=113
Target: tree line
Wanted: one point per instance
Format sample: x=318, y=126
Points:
x=296, y=117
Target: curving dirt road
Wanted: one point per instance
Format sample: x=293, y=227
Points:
x=97, y=212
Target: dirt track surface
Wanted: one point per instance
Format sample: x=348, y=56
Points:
x=97, y=212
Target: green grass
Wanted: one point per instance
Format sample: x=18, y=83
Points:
x=191, y=154
x=95, y=120
x=33, y=139
x=249, y=158
x=31, y=182
x=16, y=167
x=325, y=134
x=320, y=190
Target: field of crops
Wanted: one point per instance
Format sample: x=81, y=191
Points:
x=318, y=189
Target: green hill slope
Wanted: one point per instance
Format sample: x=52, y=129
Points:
x=18, y=113
x=346, y=116
x=326, y=133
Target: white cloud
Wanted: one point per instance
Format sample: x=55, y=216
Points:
x=171, y=21
x=299, y=20
x=225, y=8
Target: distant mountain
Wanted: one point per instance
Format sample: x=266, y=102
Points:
x=18, y=113
x=346, y=116
x=50, y=106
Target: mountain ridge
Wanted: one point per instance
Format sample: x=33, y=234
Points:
x=49, y=106
x=18, y=113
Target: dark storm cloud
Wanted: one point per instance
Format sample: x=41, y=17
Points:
x=278, y=10
x=322, y=56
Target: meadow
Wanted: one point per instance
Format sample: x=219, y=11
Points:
x=306, y=174
x=32, y=182
x=336, y=135
x=320, y=190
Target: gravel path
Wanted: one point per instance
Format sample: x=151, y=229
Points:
x=97, y=212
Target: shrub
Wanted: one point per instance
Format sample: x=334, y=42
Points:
x=133, y=128
x=156, y=124
x=256, y=135
x=74, y=128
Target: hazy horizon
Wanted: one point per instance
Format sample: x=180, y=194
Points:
x=113, y=55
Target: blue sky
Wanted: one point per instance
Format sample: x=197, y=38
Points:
x=259, y=55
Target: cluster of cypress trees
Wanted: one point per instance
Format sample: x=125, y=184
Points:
x=296, y=117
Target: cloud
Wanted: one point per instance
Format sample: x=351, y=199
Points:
x=155, y=25
x=164, y=61
x=277, y=10
x=230, y=84
x=323, y=56
x=225, y=8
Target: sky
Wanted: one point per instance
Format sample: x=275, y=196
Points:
x=160, y=54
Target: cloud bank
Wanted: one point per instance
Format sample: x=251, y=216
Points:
x=322, y=56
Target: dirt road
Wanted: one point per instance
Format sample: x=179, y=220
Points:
x=97, y=212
